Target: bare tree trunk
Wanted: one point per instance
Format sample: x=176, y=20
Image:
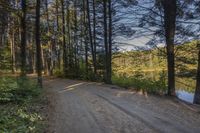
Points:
x=106, y=40
x=90, y=31
x=85, y=38
x=34, y=58
x=13, y=57
x=50, y=50
x=38, y=45
x=170, y=27
x=69, y=50
x=64, y=40
x=23, y=38
x=29, y=54
x=43, y=61
x=82, y=39
x=197, y=91
x=57, y=36
x=75, y=40
x=10, y=42
x=110, y=43
x=94, y=38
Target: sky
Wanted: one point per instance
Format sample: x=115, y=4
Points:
x=126, y=44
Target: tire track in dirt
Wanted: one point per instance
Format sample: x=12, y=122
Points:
x=86, y=107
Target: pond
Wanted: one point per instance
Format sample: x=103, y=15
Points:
x=185, y=96
x=185, y=86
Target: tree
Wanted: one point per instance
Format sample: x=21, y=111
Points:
x=94, y=37
x=85, y=37
x=108, y=40
x=170, y=28
x=64, y=39
x=23, y=38
x=197, y=91
x=90, y=34
x=57, y=35
x=38, y=45
x=49, y=43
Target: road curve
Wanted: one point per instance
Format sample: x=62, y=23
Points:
x=87, y=107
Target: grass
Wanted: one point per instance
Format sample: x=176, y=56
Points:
x=154, y=85
x=141, y=84
x=20, y=106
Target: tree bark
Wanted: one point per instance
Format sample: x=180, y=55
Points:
x=23, y=38
x=76, y=40
x=90, y=31
x=110, y=43
x=50, y=45
x=57, y=35
x=106, y=40
x=38, y=45
x=69, y=45
x=94, y=38
x=197, y=91
x=64, y=40
x=13, y=57
x=170, y=27
x=85, y=39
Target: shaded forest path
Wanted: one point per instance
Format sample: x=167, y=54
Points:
x=87, y=107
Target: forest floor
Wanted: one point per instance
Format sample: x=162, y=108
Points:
x=88, y=107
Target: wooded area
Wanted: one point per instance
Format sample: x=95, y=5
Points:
x=76, y=39
x=150, y=46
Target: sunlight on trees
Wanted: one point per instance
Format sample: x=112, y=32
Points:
x=78, y=39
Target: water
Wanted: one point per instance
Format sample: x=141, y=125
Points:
x=185, y=96
x=185, y=85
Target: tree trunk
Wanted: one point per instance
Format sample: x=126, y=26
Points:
x=110, y=43
x=106, y=41
x=50, y=49
x=57, y=35
x=38, y=45
x=170, y=27
x=90, y=31
x=13, y=57
x=197, y=91
x=23, y=38
x=94, y=38
x=85, y=39
x=69, y=50
x=75, y=41
x=64, y=40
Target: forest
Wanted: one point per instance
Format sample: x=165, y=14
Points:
x=148, y=46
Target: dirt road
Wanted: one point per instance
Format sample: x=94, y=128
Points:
x=82, y=107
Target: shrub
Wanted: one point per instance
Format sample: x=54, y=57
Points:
x=17, y=90
x=144, y=84
x=58, y=73
x=20, y=107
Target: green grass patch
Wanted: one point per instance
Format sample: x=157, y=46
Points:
x=141, y=84
x=20, y=106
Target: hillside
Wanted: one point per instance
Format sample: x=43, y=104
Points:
x=150, y=64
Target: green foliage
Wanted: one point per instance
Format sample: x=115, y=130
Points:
x=5, y=59
x=17, y=90
x=186, y=83
x=20, y=119
x=58, y=73
x=140, y=83
x=142, y=69
x=19, y=99
x=128, y=63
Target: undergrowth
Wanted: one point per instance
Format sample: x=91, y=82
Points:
x=20, y=106
x=142, y=84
